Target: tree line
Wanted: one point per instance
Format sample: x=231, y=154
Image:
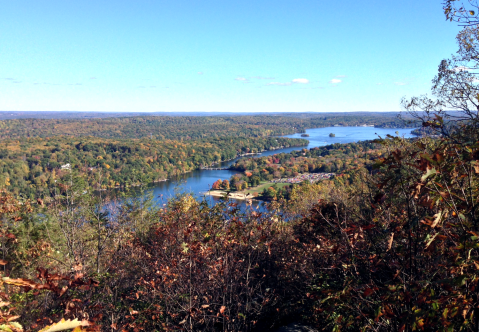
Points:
x=341, y=159
x=30, y=167
x=185, y=127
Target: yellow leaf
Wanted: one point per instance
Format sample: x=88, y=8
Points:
x=78, y=329
x=65, y=325
x=437, y=219
x=16, y=325
x=5, y=328
x=19, y=282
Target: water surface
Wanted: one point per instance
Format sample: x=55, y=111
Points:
x=200, y=181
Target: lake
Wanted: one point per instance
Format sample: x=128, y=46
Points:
x=200, y=181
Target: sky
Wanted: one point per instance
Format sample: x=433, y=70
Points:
x=219, y=56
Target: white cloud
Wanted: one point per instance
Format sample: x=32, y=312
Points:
x=335, y=81
x=200, y=73
x=240, y=79
x=400, y=83
x=301, y=80
x=341, y=76
x=379, y=84
x=280, y=84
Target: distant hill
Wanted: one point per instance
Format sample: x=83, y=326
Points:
x=10, y=115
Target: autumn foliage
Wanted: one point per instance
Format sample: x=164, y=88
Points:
x=397, y=249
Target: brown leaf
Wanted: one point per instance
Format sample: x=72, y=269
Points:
x=133, y=312
x=64, y=289
x=476, y=264
x=78, y=267
x=390, y=241
x=3, y=304
x=417, y=191
x=13, y=318
x=222, y=309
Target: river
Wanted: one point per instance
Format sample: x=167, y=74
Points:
x=199, y=181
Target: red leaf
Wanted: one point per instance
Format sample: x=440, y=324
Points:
x=368, y=292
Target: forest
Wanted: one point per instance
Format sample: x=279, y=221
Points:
x=341, y=159
x=129, y=151
x=187, y=127
x=394, y=246
x=30, y=167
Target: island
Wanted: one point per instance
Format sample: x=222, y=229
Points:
x=304, y=135
x=332, y=135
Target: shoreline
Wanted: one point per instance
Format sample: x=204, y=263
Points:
x=255, y=153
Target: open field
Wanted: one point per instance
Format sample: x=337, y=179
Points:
x=263, y=186
x=233, y=195
x=245, y=194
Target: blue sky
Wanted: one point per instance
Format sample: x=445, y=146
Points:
x=219, y=56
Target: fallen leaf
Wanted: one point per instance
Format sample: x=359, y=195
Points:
x=390, y=241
